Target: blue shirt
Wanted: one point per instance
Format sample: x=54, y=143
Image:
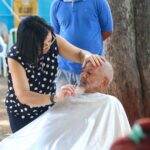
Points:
x=81, y=23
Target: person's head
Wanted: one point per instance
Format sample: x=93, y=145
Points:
x=137, y=139
x=32, y=33
x=96, y=79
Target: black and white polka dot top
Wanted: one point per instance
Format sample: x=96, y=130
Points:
x=41, y=80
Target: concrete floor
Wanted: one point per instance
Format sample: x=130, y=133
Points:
x=4, y=124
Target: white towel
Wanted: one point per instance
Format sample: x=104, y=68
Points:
x=87, y=122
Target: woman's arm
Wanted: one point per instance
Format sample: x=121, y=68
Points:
x=22, y=89
x=76, y=54
x=21, y=86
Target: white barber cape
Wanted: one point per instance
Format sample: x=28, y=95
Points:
x=85, y=122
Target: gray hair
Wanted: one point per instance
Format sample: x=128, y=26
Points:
x=108, y=71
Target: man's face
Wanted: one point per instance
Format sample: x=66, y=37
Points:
x=91, y=78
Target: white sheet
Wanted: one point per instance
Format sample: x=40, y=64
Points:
x=87, y=122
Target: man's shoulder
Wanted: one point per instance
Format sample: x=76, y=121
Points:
x=106, y=97
x=96, y=98
x=103, y=95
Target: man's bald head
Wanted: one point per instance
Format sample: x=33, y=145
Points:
x=96, y=79
x=107, y=70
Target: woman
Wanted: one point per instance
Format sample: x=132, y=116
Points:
x=32, y=68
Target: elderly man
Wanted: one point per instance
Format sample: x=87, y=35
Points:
x=89, y=120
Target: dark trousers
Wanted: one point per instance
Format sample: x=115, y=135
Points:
x=16, y=122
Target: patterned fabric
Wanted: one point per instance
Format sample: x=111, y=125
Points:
x=41, y=80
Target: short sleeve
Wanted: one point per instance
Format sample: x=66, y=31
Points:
x=14, y=54
x=104, y=16
x=53, y=16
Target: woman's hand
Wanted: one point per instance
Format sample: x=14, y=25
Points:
x=96, y=60
x=76, y=54
x=65, y=91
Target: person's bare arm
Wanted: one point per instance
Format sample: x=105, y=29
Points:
x=22, y=89
x=105, y=35
x=76, y=54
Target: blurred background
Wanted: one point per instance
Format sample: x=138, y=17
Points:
x=11, y=9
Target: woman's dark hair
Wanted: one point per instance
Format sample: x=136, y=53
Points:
x=31, y=34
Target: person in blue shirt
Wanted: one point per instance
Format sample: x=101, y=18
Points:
x=85, y=24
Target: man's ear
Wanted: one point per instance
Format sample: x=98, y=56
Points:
x=105, y=81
